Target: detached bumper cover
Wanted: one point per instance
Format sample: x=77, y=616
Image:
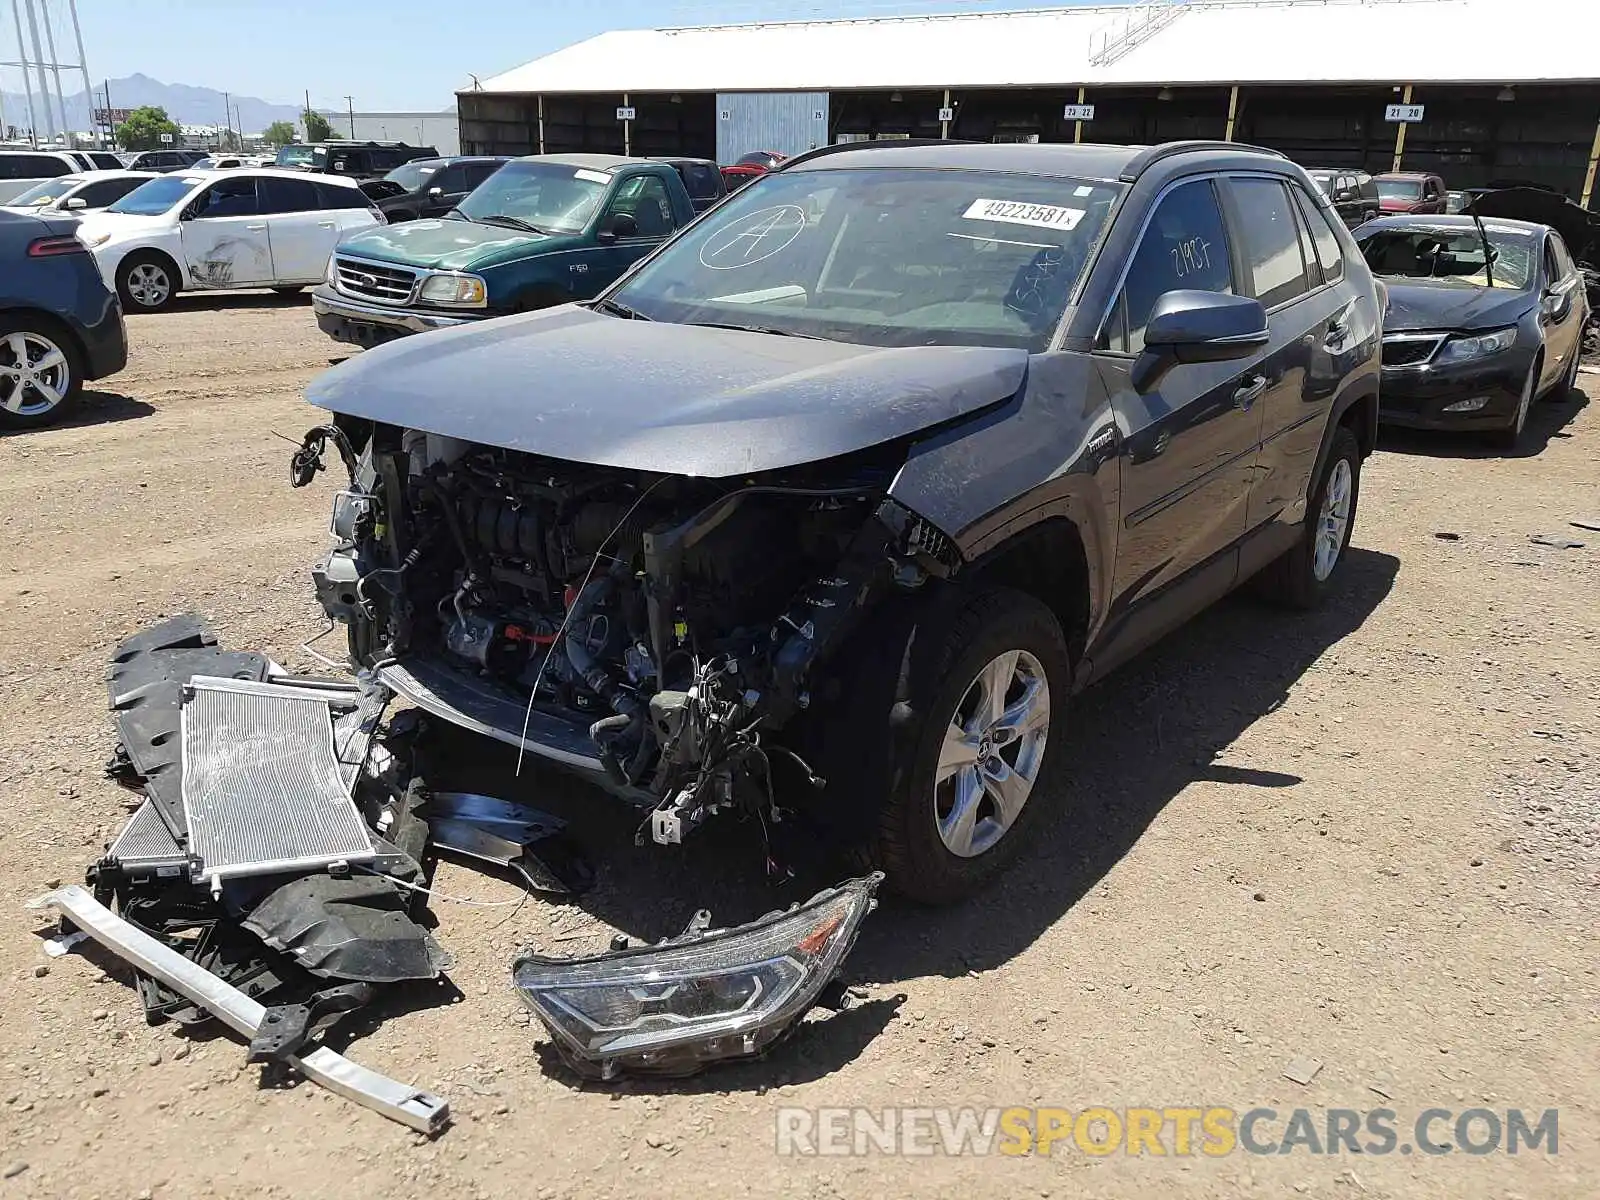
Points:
x=700, y=998
x=410, y=1106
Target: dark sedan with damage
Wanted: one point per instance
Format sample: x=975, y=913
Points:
x=823, y=514
x=1484, y=317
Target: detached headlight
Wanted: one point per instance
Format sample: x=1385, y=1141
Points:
x=727, y=993
x=1464, y=349
x=456, y=291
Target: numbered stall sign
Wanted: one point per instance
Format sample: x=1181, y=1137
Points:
x=625, y=112
x=1080, y=112
x=1403, y=113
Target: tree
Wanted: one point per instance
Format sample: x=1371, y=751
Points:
x=279, y=133
x=317, y=127
x=144, y=127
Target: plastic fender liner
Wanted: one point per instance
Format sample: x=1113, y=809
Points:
x=411, y=1106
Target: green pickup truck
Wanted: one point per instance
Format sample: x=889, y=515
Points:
x=540, y=231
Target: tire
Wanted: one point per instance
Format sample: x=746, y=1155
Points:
x=932, y=680
x=146, y=282
x=1509, y=437
x=41, y=372
x=293, y=290
x=1303, y=576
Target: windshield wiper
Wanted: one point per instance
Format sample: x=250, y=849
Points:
x=768, y=329
x=508, y=219
x=617, y=309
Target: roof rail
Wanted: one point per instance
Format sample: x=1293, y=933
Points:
x=882, y=143
x=1145, y=159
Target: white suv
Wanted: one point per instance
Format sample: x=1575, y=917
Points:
x=239, y=228
x=22, y=169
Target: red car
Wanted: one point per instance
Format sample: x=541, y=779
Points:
x=749, y=167
x=1410, y=192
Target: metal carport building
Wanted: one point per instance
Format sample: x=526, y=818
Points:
x=1507, y=89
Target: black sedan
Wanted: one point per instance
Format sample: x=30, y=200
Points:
x=1483, y=319
x=428, y=187
x=59, y=323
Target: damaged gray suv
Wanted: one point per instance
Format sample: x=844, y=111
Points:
x=824, y=512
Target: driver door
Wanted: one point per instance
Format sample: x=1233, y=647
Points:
x=638, y=219
x=1563, y=310
x=224, y=235
x=446, y=189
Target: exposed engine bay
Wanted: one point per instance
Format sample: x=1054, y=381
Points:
x=667, y=626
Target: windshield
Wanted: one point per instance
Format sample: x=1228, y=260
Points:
x=1324, y=180
x=294, y=156
x=549, y=196
x=42, y=193
x=156, y=197
x=412, y=175
x=1455, y=255
x=1399, y=189
x=884, y=257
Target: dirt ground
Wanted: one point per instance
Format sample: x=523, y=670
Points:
x=1365, y=837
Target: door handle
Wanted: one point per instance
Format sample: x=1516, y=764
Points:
x=327, y=224
x=1249, y=392
x=257, y=228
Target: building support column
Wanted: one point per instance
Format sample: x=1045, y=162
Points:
x=1594, y=158
x=1233, y=112
x=541, y=122
x=627, y=132
x=1400, y=133
x=1077, y=126
x=944, y=126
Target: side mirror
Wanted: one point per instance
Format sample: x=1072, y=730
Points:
x=435, y=191
x=1196, y=327
x=618, y=225
x=1344, y=195
x=76, y=202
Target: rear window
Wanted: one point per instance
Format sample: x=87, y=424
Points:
x=287, y=195
x=1399, y=189
x=33, y=166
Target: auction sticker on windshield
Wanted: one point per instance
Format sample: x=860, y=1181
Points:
x=1016, y=212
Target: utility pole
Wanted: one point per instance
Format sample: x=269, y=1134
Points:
x=69, y=140
x=38, y=62
x=83, y=61
x=350, y=107
x=308, y=114
x=27, y=88
x=227, y=120
x=111, y=123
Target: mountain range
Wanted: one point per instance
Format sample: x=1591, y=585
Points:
x=184, y=104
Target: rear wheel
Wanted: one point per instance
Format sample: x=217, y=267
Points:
x=40, y=372
x=1303, y=577
x=146, y=282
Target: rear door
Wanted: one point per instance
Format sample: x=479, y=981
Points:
x=224, y=235
x=1306, y=314
x=303, y=234
x=1190, y=443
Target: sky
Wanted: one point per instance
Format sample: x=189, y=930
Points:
x=395, y=55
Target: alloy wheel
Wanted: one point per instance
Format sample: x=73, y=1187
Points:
x=991, y=754
x=35, y=374
x=1333, y=521
x=148, y=285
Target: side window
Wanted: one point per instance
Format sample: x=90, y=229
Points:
x=1563, y=258
x=107, y=191
x=1329, y=254
x=1552, y=267
x=450, y=180
x=1271, y=240
x=478, y=172
x=705, y=182
x=1185, y=246
x=645, y=198
x=330, y=195
x=288, y=195
x=1308, y=253
x=229, y=198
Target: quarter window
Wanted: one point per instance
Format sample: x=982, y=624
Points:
x=1185, y=246
x=1271, y=240
x=1328, y=252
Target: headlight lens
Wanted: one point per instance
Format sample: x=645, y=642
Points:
x=98, y=239
x=1463, y=349
x=724, y=994
x=460, y=291
x=330, y=276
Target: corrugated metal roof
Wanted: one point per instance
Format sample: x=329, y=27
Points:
x=1258, y=41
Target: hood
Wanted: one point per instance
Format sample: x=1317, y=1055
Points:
x=453, y=245
x=1442, y=304
x=651, y=396
x=122, y=224
x=1577, y=226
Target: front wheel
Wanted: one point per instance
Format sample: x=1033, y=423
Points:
x=975, y=776
x=146, y=283
x=1303, y=576
x=1511, y=435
